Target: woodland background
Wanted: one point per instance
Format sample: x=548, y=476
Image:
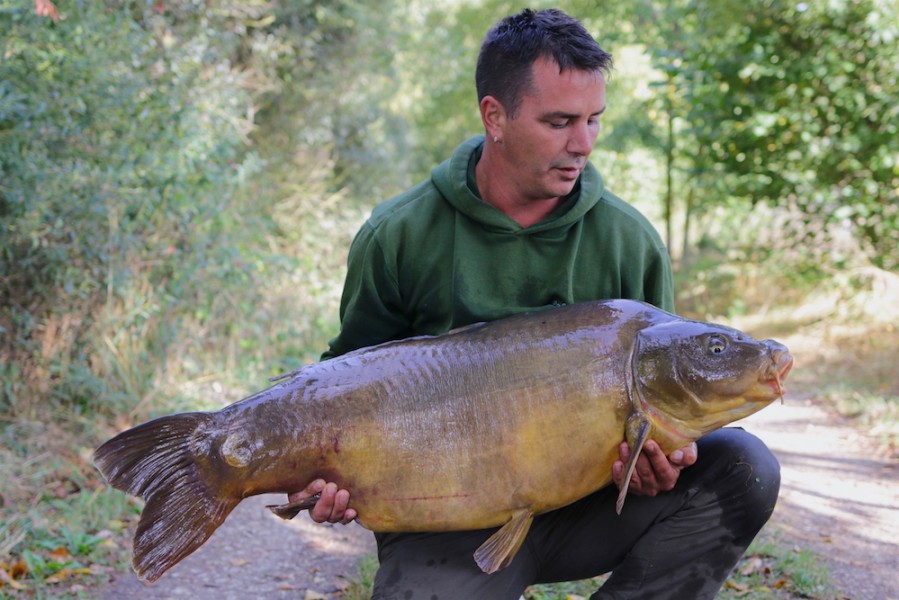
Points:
x=180, y=182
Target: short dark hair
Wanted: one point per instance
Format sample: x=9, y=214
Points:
x=517, y=41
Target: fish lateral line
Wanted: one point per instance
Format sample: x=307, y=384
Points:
x=439, y=497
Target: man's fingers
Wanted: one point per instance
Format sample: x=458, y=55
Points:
x=332, y=505
x=644, y=479
x=341, y=501
x=341, y=510
x=654, y=472
x=324, y=508
x=314, y=487
x=665, y=473
x=685, y=457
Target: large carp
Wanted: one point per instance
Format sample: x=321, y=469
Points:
x=535, y=404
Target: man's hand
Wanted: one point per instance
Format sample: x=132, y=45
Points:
x=654, y=472
x=331, y=507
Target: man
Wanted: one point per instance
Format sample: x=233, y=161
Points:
x=519, y=220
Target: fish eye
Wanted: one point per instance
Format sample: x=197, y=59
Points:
x=717, y=344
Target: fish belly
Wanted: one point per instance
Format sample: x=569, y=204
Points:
x=430, y=446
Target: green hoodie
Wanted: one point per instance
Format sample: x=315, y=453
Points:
x=438, y=257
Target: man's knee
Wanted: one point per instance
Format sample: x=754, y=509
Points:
x=746, y=470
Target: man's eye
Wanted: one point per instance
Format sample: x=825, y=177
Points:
x=559, y=124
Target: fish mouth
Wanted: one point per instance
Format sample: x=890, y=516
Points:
x=778, y=369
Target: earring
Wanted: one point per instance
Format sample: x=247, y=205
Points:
x=495, y=139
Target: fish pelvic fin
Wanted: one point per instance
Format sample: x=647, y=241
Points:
x=637, y=432
x=501, y=547
x=292, y=509
x=155, y=461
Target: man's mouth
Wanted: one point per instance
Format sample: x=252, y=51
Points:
x=573, y=172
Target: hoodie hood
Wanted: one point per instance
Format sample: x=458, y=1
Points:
x=455, y=179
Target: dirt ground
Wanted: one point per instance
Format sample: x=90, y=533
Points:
x=257, y=555
x=839, y=499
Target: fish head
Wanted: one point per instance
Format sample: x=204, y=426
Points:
x=692, y=377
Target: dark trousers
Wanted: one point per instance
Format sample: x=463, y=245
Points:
x=680, y=544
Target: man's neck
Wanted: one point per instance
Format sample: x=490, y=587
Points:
x=499, y=193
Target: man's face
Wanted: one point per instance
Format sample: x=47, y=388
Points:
x=548, y=141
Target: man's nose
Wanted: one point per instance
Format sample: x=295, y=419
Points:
x=583, y=136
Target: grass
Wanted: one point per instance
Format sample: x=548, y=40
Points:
x=568, y=590
x=360, y=587
x=68, y=540
x=771, y=570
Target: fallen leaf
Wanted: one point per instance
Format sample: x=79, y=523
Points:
x=753, y=565
x=740, y=587
x=64, y=574
x=61, y=554
x=59, y=576
x=7, y=579
x=18, y=569
x=313, y=595
x=779, y=584
x=239, y=562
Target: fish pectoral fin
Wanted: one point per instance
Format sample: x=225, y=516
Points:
x=637, y=432
x=500, y=548
x=291, y=509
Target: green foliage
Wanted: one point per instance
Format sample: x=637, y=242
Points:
x=792, y=105
x=133, y=224
x=158, y=250
x=118, y=165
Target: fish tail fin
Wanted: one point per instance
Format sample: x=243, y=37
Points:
x=154, y=461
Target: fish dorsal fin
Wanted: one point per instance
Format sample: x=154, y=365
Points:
x=637, y=432
x=500, y=548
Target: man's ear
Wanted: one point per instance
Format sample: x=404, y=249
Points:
x=493, y=115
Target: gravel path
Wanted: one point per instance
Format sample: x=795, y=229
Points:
x=839, y=496
x=257, y=555
x=840, y=499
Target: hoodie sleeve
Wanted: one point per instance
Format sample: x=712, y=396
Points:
x=371, y=307
x=659, y=282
